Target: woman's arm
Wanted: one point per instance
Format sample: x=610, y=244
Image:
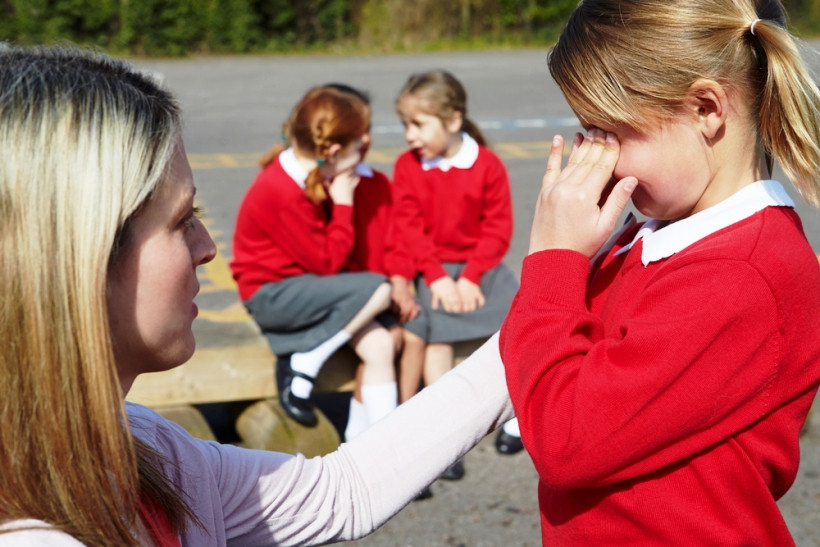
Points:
x=256, y=497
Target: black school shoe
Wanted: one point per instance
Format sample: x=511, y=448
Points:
x=454, y=472
x=297, y=408
x=507, y=444
x=425, y=494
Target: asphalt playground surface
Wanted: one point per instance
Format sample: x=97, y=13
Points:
x=233, y=109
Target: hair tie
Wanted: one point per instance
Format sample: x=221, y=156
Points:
x=752, y=28
x=320, y=161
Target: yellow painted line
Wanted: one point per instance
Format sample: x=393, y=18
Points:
x=235, y=313
x=216, y=277
x=219, y=274
x=223, y=161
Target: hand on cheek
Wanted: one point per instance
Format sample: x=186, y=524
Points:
x=579, y=205
x=342, y=187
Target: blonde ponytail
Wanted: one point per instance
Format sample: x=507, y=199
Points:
x=789, y=110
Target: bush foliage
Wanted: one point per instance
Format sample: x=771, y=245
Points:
x=178, y=27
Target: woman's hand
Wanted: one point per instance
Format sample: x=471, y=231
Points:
x=445, y=293
x=342, y=187
x=471, y=296
x=579, y=206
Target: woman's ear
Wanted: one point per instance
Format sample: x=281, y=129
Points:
x=710, y=103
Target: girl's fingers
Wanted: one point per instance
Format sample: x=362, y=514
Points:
x=554, y=160
x=616, y=202
x=586, y=154
x=577, y=139
x=579, y=205
x=609, y=154
x=598, y=164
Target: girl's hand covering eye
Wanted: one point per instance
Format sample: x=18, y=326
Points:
x=568, y=214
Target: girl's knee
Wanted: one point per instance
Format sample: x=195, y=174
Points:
x=440, y=348
x=412, y=340
x=382, y=296
x=376, y=347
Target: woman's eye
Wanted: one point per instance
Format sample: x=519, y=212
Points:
x=193, y=217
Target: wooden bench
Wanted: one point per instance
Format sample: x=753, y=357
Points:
x=245, y=372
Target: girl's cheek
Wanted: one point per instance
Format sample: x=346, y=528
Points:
x=621, y=169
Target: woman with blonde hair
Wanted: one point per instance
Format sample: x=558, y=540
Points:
x=101, y=241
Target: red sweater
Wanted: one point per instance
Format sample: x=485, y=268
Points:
x=461, y=215
x=371, y=221
x=281, y=233
x=264, y=252
x=662, y=404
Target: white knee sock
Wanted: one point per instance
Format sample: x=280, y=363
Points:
x=301, y=388
x=379, y=400
x=310, y=362
x=511, y=428
x=357, y=420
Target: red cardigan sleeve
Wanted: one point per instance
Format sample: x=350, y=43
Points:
x=688, y=366
x=496, y=223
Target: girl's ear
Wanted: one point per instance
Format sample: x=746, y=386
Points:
x=710, y=103
x=333, y=151
x=453, y=125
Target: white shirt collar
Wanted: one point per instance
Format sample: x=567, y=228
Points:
x=662, y=240
x=364, y=170
x=297, y=172
x=463, y=159
x=292, y=167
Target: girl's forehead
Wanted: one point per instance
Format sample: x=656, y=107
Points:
x=411, y=104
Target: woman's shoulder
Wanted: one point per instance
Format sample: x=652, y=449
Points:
x=152, y=428
x=34, y=533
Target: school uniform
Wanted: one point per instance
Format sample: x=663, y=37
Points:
x=289, y=256
x=661, y=389
x=371, y=221
x=372, y=202
x=453, y=216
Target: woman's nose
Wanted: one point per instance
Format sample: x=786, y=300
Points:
x=204, y=249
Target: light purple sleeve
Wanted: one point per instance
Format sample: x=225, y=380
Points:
x=255, y=497
x=34, y=533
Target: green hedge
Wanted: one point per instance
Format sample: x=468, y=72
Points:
x=179, y=27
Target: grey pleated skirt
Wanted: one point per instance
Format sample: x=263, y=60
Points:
x=440, y=327
x=299, y=313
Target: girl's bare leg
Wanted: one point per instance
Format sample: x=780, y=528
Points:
x=411, y=365
x=438, y=359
